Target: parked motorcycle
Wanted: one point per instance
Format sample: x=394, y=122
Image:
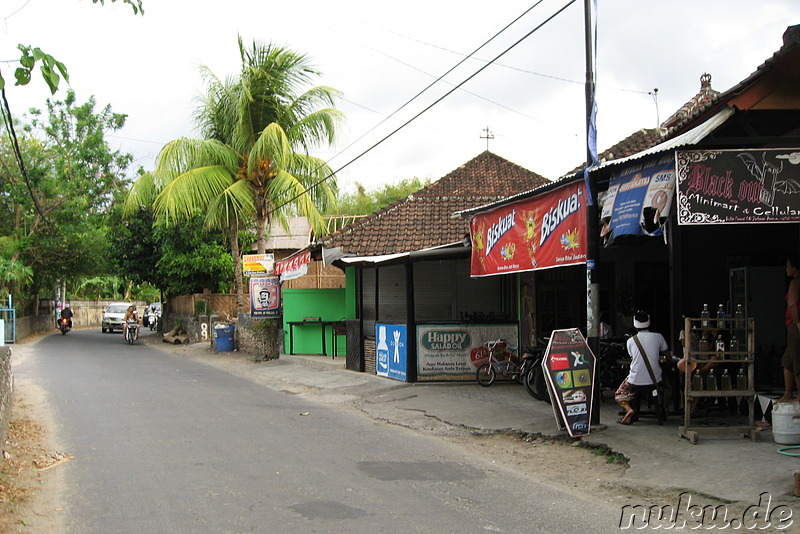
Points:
x=132, y=332
x=65, y=325
x=534, y=380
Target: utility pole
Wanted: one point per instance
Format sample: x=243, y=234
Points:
x=590, y=182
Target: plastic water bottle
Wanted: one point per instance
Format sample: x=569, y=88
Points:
x=711, y=381
x=726, y=381
x=721, y=316
x=741, y=379
x=735, y=348
x=703, y=346
x=720, y=344
x=697, y=382
x=704, y=315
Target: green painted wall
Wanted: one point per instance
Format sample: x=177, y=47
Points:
x=328, y=304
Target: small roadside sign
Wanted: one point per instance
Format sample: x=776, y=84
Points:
x=569, y=369
x=258, y=264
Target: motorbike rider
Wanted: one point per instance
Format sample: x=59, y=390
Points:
x=129, y=314
x=66, y=313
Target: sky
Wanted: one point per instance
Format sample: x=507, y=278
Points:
x=526, y=85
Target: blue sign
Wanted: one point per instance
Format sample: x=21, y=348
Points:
x=391, y=351
x=638, y=201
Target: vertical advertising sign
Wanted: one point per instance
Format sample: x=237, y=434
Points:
x=265, y=297
x=545, y=231
x=569, y=368
x=391, y=351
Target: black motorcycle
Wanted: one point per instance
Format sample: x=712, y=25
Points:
x=533, y=379
x=65, y=325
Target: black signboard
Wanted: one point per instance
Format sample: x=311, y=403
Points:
x=569, y=367
x=738, y=186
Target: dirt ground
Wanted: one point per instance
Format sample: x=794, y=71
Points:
x=30, y=481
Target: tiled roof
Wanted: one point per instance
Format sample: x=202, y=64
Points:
x=423, y=219
x=633, y=144
x=650, y=137
x=699, y=103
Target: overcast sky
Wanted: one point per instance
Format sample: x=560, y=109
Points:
x=381, y=54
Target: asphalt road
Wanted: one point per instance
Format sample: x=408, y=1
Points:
x=167, y=444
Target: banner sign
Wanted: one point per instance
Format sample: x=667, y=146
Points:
x=265, y=297
x=738, y=186
x=545, y=231
x=257, y=264
x=294, y=267
x=569, y=369
x=391, y=351
x=638, y=201
x=456, y=351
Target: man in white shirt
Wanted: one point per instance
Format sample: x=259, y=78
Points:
x=655, y=349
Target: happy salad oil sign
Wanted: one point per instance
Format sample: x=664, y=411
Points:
x=537, y=233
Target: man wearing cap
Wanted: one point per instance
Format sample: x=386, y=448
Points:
x=655, y=348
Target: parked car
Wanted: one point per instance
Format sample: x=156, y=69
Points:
x=112, y=317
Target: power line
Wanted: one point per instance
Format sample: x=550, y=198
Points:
x=501, y=54
x=451, y=69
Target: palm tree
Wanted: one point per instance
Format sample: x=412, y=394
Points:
x=245, y=167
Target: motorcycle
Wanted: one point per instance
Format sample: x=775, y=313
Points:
x=152, y=320
x=132, y=332
x=65, y=325
x=533, y=379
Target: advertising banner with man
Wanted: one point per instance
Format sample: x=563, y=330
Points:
x=569, y=369
x=638, y=200
x=545, y=231
x=265, y=297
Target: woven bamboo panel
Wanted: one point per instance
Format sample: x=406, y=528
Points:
x=183, y=305
x=369, y=356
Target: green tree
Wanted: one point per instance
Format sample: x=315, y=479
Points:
x=364, y=202
x=53, y=221
x=246, y=166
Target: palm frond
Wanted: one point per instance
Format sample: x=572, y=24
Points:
x=272, y=145
x=141, y=194
x=191, y=193
x=234, y=204
x=185, y=154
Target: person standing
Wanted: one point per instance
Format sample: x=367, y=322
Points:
x=791, y=356
x=655, y=349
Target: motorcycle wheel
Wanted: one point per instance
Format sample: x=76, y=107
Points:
x=486, y=375
x=534, y=384
x=63, y=331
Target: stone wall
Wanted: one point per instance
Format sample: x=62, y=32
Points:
x=34, y=324
x=6, y=394
x=260, y=338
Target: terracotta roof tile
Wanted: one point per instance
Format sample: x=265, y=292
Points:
x=700, y=102
x=423, y=219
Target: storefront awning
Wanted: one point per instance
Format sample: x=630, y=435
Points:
x=441, y=249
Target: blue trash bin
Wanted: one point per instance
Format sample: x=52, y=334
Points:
x=223, y=337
